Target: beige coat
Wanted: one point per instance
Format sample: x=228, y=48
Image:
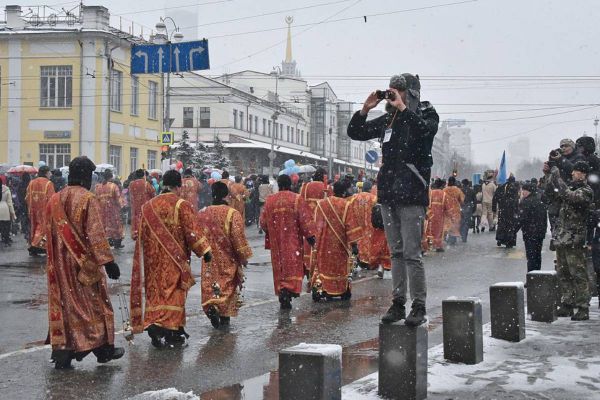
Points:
x=488, y=190
x=7, y=211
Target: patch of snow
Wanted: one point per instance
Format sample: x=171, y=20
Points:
x=165, y=394
x=546, y=272
x=327, y=350
x=508, y=284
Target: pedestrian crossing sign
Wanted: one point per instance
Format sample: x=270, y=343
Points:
x=167, y=138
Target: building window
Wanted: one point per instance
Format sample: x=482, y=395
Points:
x=135, y=95
x=280, y=131
x=55, y=155
x=255, y=124
x=288, y=133
x=116, y=90
x=114, y=158
x=292, y=135
x=204, y=117
x=241, y=120
x=188, y=117
x=56, y=86
x=265, y=127
x=250, y=119
x=276, y=130
x=235, y=119
x=151, y=159
x=270, y=127
x=133, y=159
x=152, y=100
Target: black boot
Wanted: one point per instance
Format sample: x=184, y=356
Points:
x=417, y=315
x=582, y=314
x=176, y=338
x=157, y=334
x=108, y=352
x=395, y=313
x=564, y=310
x=224, y=321
x=213, y=314
x=62, y=359
x=285, y=299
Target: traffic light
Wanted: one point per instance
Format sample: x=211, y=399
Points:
x=165, y=153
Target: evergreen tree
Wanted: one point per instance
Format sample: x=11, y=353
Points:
x=184, y=151
x=219, y=160
x=203, y=156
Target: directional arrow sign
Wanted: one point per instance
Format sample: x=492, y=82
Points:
x=170, y=57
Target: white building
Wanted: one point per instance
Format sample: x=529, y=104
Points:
x=518, y=152
x=460, y=138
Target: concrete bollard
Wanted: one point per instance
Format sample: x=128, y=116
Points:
x=463, y=330
x=402, y=361
x=311, y=372
x=507, y=311
x=541, y=295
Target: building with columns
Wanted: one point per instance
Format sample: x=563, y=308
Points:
x=67, y=91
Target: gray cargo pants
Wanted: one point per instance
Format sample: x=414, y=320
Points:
x=403, y=231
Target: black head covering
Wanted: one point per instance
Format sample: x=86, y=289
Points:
x=43, y=170
x=530, y=187
x=340, y=188
x=139, y=174
x=188, y=172
x=225, y=174
x=80, y=172
x=367, y=186
x=172, y=178
x=451, y=181
x=582, y=166
x=319, y=174
x=108, y=175
x=219, y=192
x=284, y=182
x=587, y=144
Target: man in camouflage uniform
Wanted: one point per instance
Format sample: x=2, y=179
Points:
x=570, y=238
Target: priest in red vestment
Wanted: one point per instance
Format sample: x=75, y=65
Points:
x=140, y=191
x=111, y=203
x=238, y=195
x=286, y=220
x=80, y=314
x=190, y=189
x=168, y=234
x=442, y=209
x=457, y=198
x=38, y=194
x=362, y=204
x=338, y=231
x=311, y=192
x=223, y=276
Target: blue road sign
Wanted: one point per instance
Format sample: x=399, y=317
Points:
x=173, y=57
x=167, y=138
x=371, y=156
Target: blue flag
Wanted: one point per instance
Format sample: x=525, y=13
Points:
x=501, y=178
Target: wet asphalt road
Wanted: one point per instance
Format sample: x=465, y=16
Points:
x=237, y=363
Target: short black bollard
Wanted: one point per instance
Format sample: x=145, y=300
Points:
x=463, y=330
x=402, y=361
x=507, y=311
x=311, y=372
x=541, y=295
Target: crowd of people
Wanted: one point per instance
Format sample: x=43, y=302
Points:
x=315, y=228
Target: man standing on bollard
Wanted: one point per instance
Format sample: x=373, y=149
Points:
x=406, y=133
x=570, y=238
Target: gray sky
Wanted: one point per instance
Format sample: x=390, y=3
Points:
x=466, y=54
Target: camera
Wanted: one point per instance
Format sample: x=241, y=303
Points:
x=554, y=154
x=385, y=94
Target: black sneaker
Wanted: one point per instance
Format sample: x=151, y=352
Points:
x=565, y=310
x=482, y=229
x=417, y=315
x=582, y=314
x=62, y=359
x=213, y=314
x=395, y=313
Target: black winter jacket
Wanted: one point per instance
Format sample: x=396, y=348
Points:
x=533, y=218
x=410, y=145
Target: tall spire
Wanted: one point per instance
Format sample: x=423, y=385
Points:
x=288, y=49
x=288, y=67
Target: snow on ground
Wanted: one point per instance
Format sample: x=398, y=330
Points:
x=556, y=361
x=165, y=394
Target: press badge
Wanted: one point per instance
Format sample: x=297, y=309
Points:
x=387, y=135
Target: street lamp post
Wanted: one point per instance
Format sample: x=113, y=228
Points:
x=596, y=134
x=276, y=72
x=165, y=37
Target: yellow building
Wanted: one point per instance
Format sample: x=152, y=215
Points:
x=66, y=91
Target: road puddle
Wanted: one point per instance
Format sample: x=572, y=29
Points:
x=358, y=360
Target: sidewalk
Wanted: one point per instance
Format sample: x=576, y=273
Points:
x=556, y=361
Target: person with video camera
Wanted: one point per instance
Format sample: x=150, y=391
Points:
x=564, y=158
x=406, y=134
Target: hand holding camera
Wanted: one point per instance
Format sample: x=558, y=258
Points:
x=555, y=154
